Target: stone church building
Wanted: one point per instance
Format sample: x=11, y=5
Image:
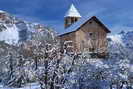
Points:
x=84, y=33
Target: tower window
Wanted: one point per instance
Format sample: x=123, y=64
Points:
x=76, y=19
x=66, y=21
x=73, y=20
x=91, y=35
x=69, y=21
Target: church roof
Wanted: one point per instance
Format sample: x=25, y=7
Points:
x=74, y=27
x=72, y=12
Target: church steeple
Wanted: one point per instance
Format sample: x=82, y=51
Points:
x=71, y=16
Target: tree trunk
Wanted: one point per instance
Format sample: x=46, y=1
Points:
x=36, y=63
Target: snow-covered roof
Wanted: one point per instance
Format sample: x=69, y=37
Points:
x=1, y=11
x=79, y=23
x=72, y=12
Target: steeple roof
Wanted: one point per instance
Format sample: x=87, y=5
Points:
x=72, y=12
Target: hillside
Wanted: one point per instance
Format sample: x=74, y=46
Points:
x=123, y=38
x=14, y=30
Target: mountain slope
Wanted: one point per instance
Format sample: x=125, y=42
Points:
x=124, y=38
x=14, y=30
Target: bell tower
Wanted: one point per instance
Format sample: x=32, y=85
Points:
x=71, y=16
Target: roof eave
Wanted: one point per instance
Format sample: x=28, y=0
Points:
x=96, y=19
x=66, y=33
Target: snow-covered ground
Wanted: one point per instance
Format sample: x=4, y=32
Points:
x=28, y=86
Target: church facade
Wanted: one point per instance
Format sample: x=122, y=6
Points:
x=84, y=33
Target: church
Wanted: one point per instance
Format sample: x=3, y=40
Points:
x=84, y=33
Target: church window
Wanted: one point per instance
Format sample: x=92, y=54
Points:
x=76, y=19
x=91, y=35
x=90, y=22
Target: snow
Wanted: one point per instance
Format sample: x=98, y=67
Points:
x=97, y=63
x=10, y=35
x=1, y=11
x=123, y=38
x=131, y=68
x=116, y=38
x=72, y=12
x=14, y=30
x=67, y=42
x=28, y=86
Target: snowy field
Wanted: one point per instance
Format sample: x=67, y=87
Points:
x=28, y=86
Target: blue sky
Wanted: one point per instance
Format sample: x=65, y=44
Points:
x=115, y=14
